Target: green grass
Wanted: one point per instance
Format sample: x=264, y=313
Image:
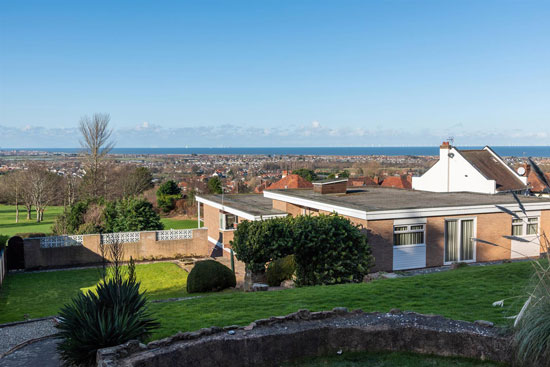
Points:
x=8, y=227
x=463, y=294
x=42, y=294
x=170, y=223
x=388, y=360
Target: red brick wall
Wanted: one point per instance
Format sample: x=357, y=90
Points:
x=380, y=239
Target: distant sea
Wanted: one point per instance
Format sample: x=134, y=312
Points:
x=517, y=151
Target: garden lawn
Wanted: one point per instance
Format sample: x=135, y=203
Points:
x=8, y=227
x=171, y=223
x=44, y=293
x=463, y=294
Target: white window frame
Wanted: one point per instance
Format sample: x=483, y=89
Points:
x=223, y=221
x=459, y=220
x=409, y=230
x=525, y=225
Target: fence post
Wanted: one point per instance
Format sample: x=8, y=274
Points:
x=232, y=262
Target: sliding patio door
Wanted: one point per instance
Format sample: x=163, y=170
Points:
x=459, y=243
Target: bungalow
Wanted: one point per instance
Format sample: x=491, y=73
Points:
x=409, y=229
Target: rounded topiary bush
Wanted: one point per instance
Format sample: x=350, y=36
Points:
x=208, y=276
x=280, y=270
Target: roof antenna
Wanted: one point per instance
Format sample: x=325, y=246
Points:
x=451, y=140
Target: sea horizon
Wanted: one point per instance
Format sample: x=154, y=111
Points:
x=506, y=151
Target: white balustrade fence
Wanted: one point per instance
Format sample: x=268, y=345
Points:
x=61, y=241
x=110, y=238
x=120, y=237
x=175, y=234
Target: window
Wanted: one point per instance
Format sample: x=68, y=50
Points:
x=527, y=226
x=459, y=240
x=408, y=235
x=228, y=221
x=532, y=225
x=517, y=227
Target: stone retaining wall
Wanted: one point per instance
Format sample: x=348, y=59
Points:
x=268, y=342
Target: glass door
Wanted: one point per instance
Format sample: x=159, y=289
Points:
x=459, y=243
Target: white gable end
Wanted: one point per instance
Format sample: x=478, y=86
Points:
x=453, y=173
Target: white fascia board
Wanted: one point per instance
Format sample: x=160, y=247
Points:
x=406, y=213
x=261, y=217
x=226, y=208
x=448, y=211
x=494, y=154
x=361, y=214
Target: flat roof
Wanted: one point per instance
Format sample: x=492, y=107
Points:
x=371, y=199
x=253, y=204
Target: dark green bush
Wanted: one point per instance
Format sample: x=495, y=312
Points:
x=208, y=276
x=115, y=315
x=3, y=241
x=328, y=249
x=280, y=270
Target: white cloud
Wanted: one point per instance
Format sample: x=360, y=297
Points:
x=147, y=134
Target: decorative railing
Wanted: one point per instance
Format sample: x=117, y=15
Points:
x=110, y=238
x=120, y=237
x=175, y=234
x=61, y=241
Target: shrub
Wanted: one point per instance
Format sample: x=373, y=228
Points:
x=167, y=194
x=115, y=315
x=280, y=270
x=210, y=275
x=3, y=241
x=131, y=214
x=328, y=249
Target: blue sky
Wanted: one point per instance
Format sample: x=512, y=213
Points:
x=276, y=73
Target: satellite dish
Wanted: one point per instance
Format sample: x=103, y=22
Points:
x=521, y=171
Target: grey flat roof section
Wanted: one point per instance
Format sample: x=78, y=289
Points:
x=254, y=204
x=382, y=198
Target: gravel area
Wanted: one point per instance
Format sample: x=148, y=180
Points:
x=11, y=336
x=41, y=353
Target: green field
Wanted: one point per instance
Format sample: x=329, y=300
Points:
x=8, y=227
x=170, y=223
x=41, y=294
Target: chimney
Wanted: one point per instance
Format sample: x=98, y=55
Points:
x=527, y=169
x=335, y=186
x=285, y=173
x=445, y=156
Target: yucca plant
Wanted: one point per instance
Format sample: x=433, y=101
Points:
x=115, y=315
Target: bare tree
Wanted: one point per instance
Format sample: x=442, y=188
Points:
x=44, y=188
x=11, y=190
x=96, y=142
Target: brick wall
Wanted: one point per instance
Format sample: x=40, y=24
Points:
x=380, y=239
x=332, y=188
x=89, y=252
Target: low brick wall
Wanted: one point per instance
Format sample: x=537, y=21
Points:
x=269, y=342
x=148, y=247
